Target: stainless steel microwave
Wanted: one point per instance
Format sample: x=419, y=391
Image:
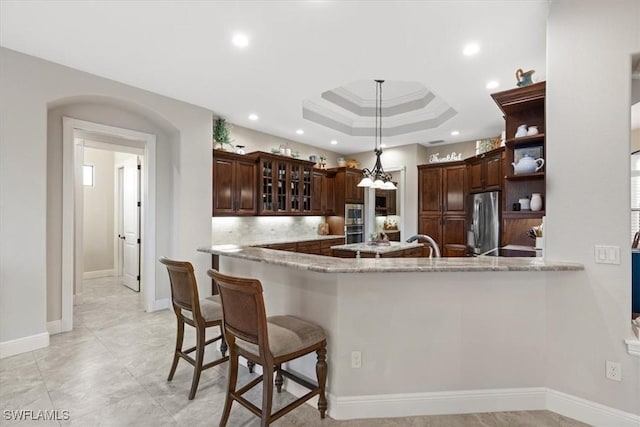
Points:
x=354, y=214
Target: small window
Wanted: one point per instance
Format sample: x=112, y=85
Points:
x=87, y=175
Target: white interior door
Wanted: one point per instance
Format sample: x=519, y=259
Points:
x=131, y=225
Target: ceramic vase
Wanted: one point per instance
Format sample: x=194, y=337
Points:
x=536, y=202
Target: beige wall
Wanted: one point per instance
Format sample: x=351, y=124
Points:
x=259, y=141
x=35, y=94
x=98, y=217
x=635, y=140
x=588, y=315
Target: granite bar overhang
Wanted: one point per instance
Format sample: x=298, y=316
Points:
x=325, y=264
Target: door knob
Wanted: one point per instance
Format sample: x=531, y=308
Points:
x=121, y=237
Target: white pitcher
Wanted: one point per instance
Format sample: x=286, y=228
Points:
x=536, y=202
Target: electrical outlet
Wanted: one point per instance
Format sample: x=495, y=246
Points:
x=614, y=371
x=356, y=359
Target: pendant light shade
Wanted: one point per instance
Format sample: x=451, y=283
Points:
x=377, y=177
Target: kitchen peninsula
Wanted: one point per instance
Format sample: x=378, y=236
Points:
x=422, y=326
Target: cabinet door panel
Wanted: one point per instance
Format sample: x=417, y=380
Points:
x=328, y=195
x=223, y=172
x=318, y=194
x=493, y=172
x=245, y=179
x=431, y=226
x=454, y=230
x=475, y=176
x=353, y=193
x=454, y=189
x=431, y=188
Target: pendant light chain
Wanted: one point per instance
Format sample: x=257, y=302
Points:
x=377, y=177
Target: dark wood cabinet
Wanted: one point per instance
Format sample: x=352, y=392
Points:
x=315, y=247
x=328, y=194
x=285, y=186
x=485, y=171
x=385, y=202
x=323, y=193
x=525, y=105
x=234, y=183
x=353, y=193
x=442, y=191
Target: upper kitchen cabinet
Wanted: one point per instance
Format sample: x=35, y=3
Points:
x=441, y=188
x=385, y=202
x=485, y=171
x=323, y=192
x=285, y=185
x=234, y=183
x=346, y=187
x=353, y=193
x=442, y=205
x=524, y=114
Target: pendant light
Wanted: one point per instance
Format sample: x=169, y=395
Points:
x=377, y=177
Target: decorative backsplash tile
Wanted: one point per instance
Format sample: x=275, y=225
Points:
x=263, y=229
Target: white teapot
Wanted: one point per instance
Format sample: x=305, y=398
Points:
x=527, y=164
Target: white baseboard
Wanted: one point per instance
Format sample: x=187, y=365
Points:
x=437, y=403
x=22, y=345
x=160, y=304
x=589, y=412
x=98, y=273
x=471, y=401
x=54, y=327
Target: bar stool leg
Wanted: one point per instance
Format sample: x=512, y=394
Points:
x=179, y=340
x=279, y=380
x=223, y=345
x=231, y=388
x=321, y=373
x=267, y=396
x=200, y=340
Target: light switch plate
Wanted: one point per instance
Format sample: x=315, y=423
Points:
x=607, y=254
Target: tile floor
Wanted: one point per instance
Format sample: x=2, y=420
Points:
x=111, y=371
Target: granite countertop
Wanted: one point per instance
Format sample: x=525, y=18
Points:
x=365, y=247
x=257, y=241
x=325, y=264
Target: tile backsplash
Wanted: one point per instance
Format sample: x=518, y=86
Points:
x=263, y=229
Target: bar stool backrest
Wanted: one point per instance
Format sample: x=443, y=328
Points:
x=184, y=288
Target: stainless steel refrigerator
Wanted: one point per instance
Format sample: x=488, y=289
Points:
x=483, y=218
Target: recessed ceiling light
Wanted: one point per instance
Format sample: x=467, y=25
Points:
x=471, y=49
x=299, y=131
x=334, y=142
x=455, y=133
x=240, y=40
x=253, y=117
x=492, y=84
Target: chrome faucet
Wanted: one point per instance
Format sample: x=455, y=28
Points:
x=434, y=245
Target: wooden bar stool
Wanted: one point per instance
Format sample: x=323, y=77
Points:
x=269, y=342
x=199, y=313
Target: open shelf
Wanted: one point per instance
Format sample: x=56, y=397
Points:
x=525, y=176
x=522, y=214
x=525, y=140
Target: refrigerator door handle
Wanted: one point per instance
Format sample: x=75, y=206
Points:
x=476, y=211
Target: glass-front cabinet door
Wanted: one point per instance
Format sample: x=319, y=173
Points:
x=282, y=181
x=267, y=190
x=285, y=186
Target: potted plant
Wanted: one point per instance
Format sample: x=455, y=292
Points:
x=221, y=135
